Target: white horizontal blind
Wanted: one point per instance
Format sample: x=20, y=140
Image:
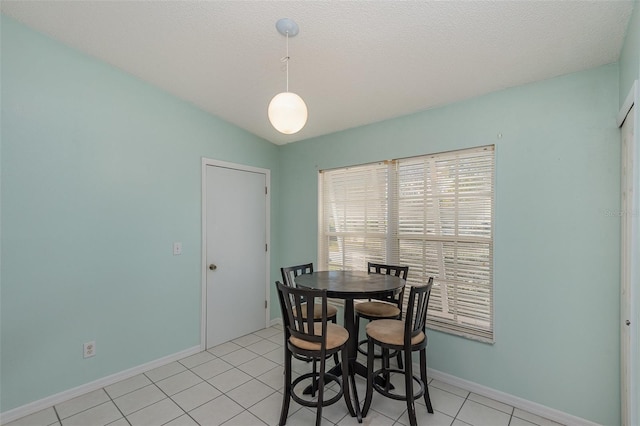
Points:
x=445, y=231
x=353, y=216
x=433, y=213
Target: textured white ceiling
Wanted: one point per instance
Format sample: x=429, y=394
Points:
x=354, y=62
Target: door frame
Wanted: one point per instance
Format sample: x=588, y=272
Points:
x=630, y=269
x=203, y=267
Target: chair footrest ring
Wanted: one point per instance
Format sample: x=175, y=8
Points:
x=380, y=389
x=375, y=355
x=308, y=358
x=328, y=378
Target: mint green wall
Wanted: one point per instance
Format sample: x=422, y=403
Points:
x=556, y=248
x=100, y=174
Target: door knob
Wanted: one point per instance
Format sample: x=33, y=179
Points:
x=213, y=267
x=627, y=322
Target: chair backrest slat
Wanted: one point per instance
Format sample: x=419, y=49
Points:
x=379, y=268
x=397, y=271
x=289, y=273
x=297, y=306
x=416, y=317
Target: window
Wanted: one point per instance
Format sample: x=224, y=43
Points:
x=433, y=213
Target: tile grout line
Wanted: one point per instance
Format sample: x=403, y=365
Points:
x=235, y=367
x=259, y=355
x=57, y=415
x=479, y=403
x=117, y=408
x=141, y=408
x=511, y=415
x=202, y=363
x=513, y=410
x=178, y=405
x=460, y=409
x=81, y=411
x=203, y=381
x=171, y=375
x=261, y=359
x=245, y=411
x=221, y=392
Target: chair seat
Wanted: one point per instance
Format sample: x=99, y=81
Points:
x=317, y=311
x=337, y=335
x=377, y=309
x=390, y=332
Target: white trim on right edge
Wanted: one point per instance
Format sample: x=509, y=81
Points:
x=514, y=401
x=629, y=121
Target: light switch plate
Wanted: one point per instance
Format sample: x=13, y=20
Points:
x=177, y=249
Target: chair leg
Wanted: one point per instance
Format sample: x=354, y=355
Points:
x=423, y=377
x=357, y=329
x=314, y=380
x=408, y=380
x=386, y=365
x=335, y=356
x=323, y=362
x=399, y=356
x=399, y=359
x=286, y=397
x=369, y=396
x=346, y=385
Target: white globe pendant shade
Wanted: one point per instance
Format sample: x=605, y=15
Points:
x=287, y=113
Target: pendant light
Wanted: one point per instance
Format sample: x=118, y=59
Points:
x=287, y=111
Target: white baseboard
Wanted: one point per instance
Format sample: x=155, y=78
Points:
x=34, y=407
x=514, y=401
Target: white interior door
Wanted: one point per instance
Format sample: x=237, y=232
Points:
x=628, y=340
x=236, y=252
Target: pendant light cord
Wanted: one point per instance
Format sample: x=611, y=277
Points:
x=286, y=61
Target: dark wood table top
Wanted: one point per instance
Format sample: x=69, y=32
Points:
x=351, y=284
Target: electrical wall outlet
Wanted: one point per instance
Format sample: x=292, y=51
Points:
x=89, y=349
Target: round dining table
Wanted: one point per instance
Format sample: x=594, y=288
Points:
x=348, y=286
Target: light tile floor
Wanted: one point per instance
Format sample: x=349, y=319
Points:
x=240, y=383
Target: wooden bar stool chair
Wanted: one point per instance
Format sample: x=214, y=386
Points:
x=316, y=340
x=389, y=308
x=289, y=274
x=288, y=278
x=407, y=336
